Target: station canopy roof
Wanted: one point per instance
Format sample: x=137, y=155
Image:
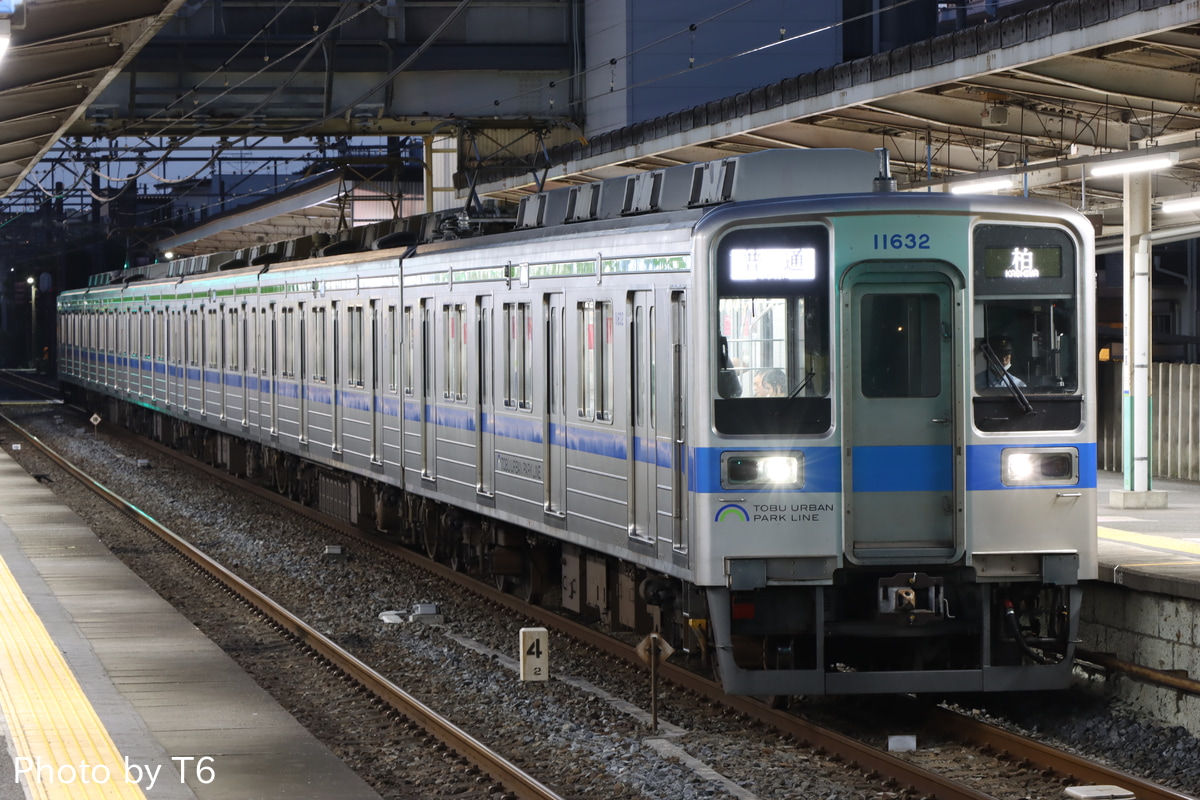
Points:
x=1039, y=96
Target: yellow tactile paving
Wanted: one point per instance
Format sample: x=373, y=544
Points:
x=1149, y=540
x=61, y=748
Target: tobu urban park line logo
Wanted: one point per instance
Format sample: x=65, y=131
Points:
x=731, y=512
x=772, y=512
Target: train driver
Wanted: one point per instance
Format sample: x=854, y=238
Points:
x=993, y=377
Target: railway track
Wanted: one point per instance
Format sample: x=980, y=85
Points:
x=884, y=767
x=887, y=768
x=514, y=780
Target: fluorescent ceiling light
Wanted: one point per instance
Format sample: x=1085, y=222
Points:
x=1138, y=164
x=1182, y=204
x=982, y=185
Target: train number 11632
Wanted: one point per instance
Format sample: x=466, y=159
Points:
x=902, y=241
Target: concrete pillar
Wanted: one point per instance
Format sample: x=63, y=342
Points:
x=1136, y=396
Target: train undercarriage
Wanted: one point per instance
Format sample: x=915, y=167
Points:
x=870, y=632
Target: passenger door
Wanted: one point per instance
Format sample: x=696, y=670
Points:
x=555, y=434
x=673, y=505
x=485, y=419
x=643, y=444
x=373, y=362
x=899, y=371
x=428, y=401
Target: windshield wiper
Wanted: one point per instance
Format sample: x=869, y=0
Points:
x=808, y=376
x=1006, y=378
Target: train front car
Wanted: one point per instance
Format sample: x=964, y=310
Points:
x=897, y=490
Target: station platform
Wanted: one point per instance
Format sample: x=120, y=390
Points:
x=1151, y=549
x=107, y=692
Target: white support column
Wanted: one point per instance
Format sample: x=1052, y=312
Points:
x=441, y=162
x=1136, y=394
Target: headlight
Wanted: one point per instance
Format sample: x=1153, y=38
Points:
x=1040, y=466
x=762, y=470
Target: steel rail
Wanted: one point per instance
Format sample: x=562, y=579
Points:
x=855, y=754
x=507, y=774
x=1049, y=758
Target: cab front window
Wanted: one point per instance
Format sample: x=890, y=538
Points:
x=772, y=350
x=1027, y=338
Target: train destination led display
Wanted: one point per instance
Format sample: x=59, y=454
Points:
x=1022, y=262
x=773, y=264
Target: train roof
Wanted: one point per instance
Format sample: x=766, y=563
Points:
x=669, y=195
x=751, y=176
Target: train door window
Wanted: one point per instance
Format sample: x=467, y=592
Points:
x=320, y=353
x=252, y=334
x=651, y=367
x=287, y=358
x=373, y=347
x=214, y=339
x=179, y=338
x=900, y=338
x=426, y=354
x=195, y=338
x=773, y=320
x=410, y=334
x=302, y=334
x=518, y=355
x=637, y=335
x=554, y=402
x=393, y=349
x=484, y=343
x=336, y=361
x=160, y=335
x=354, y=344
x=235, y=341
x=596, y=391
x=266, y=324
x=131, y=342
x=114, y=330
x=455, y=387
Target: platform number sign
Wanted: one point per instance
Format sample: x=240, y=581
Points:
x=535, y=654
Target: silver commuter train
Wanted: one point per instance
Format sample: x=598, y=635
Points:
x=839, y=443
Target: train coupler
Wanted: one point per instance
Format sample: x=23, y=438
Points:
x=911, y=599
